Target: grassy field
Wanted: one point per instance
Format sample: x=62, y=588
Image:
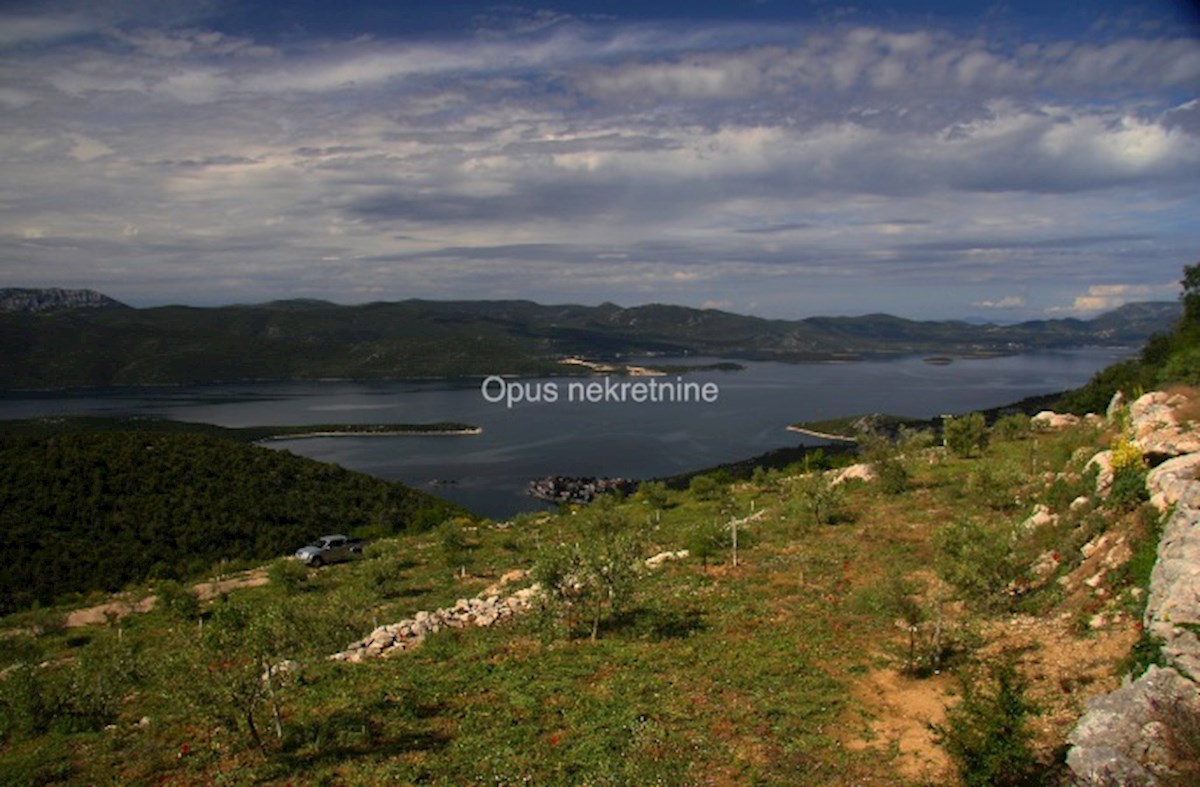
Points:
x=823, y=657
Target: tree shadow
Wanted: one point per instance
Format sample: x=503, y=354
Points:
x=369, y=730
x=656, y=624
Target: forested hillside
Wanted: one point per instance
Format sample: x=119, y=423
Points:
x=99, y=510
x=1168, y=357
x=410, y=339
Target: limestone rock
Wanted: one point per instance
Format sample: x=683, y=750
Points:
x=1048, y=419
x=1104, y=478
x=395, y=638
x=663, y=557
x=1125, y=738
x=1167, y=482
x=858, y=472
x=1156, y=430
x=1173, y=606
x=1041, y=516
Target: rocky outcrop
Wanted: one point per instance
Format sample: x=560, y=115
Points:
x=1139, y=734
x=1130, y=736
x=1155, y=430
x=1173, y=607
x=398, y=637
x=1145, y=732
x=53, y=299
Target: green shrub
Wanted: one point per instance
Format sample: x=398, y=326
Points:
x=1011, y=427
x=965, y=435
x=177, y=601
x=995, y=489
x=987, y=733
x=892, y=474
x=290, y=574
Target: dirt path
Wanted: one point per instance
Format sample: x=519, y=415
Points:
x=119, y=608
x=897, y=712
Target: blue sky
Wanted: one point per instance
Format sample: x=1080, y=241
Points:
x=785, y=159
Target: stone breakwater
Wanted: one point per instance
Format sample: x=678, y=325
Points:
x=398, y=637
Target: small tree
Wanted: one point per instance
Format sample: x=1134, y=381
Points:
x=821, y=497
x=889, y=468
x=178, y=601
x=965, y=435
x=598, y=571
x=1011, y=427
x=707, y=539
x=976, y=560
x=453, y=543
x=706, y=488
x=230, y=672
x=655, y=495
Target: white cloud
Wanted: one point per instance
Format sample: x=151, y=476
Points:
x=640, y=157
x=1104, y=297
x=1008, y=302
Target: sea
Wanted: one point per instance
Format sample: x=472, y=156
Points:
x=604, y=431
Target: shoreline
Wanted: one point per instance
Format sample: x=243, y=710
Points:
x=821, y=435
x=478, y=430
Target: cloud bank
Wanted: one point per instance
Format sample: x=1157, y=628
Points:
x=785, y=169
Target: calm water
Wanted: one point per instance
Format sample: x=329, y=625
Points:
x=637, y=440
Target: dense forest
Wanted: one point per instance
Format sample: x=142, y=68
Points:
x=98, y=510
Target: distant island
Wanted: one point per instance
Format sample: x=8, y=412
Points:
x=243, y=434
x=60, y=339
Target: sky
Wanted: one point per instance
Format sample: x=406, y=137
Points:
x=932, y=160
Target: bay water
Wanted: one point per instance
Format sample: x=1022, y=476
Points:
x=574, y=435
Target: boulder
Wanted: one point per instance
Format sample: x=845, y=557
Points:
x=1048, y=419
x=663, y=557
x=1126, y=737
x=1156, y=431
x=858, y=472
x=1104, y=478
x=1167, y=482
x=1161, y=444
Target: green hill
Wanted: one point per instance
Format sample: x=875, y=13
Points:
x=97, y=510
x=1169, y=357
x=411, y=339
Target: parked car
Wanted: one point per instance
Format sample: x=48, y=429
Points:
x=330, y=549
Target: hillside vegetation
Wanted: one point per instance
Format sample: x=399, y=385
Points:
x=96, y=510
x=1171, y=356
x=821, y=657
x=411, y=339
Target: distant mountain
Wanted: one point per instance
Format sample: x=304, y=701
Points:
x=309, y=339
x=53, y=299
